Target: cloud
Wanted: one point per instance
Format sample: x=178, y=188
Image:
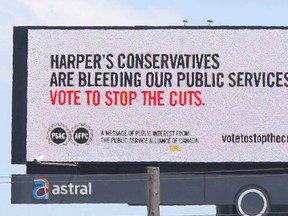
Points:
x=76, y=12
x=101, y=12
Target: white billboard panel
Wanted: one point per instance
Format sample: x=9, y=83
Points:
x=157, y=95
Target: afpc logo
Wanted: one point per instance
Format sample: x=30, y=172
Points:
x=82, y=134
x=41, y=190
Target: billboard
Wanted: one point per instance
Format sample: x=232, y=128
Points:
x=150, y=94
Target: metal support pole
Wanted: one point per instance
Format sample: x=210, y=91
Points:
x=153, y=195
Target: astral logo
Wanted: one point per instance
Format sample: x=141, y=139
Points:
x=73, y=189
x=41, y=191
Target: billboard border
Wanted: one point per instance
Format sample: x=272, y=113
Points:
x=146, y=27
x=19, y=95
x=19, y=100
x=83, y=168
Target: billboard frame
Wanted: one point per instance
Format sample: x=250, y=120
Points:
x=19, y=109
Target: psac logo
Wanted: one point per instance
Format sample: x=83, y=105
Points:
x=41, y=191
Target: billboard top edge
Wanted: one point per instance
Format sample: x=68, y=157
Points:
x=22, y=73
x=147, y=27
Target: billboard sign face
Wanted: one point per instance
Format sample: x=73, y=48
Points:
x=153, y=94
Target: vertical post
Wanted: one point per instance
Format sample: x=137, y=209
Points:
x=153, y=195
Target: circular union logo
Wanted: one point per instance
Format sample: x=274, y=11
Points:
x=58, y=134
x=82, y=134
